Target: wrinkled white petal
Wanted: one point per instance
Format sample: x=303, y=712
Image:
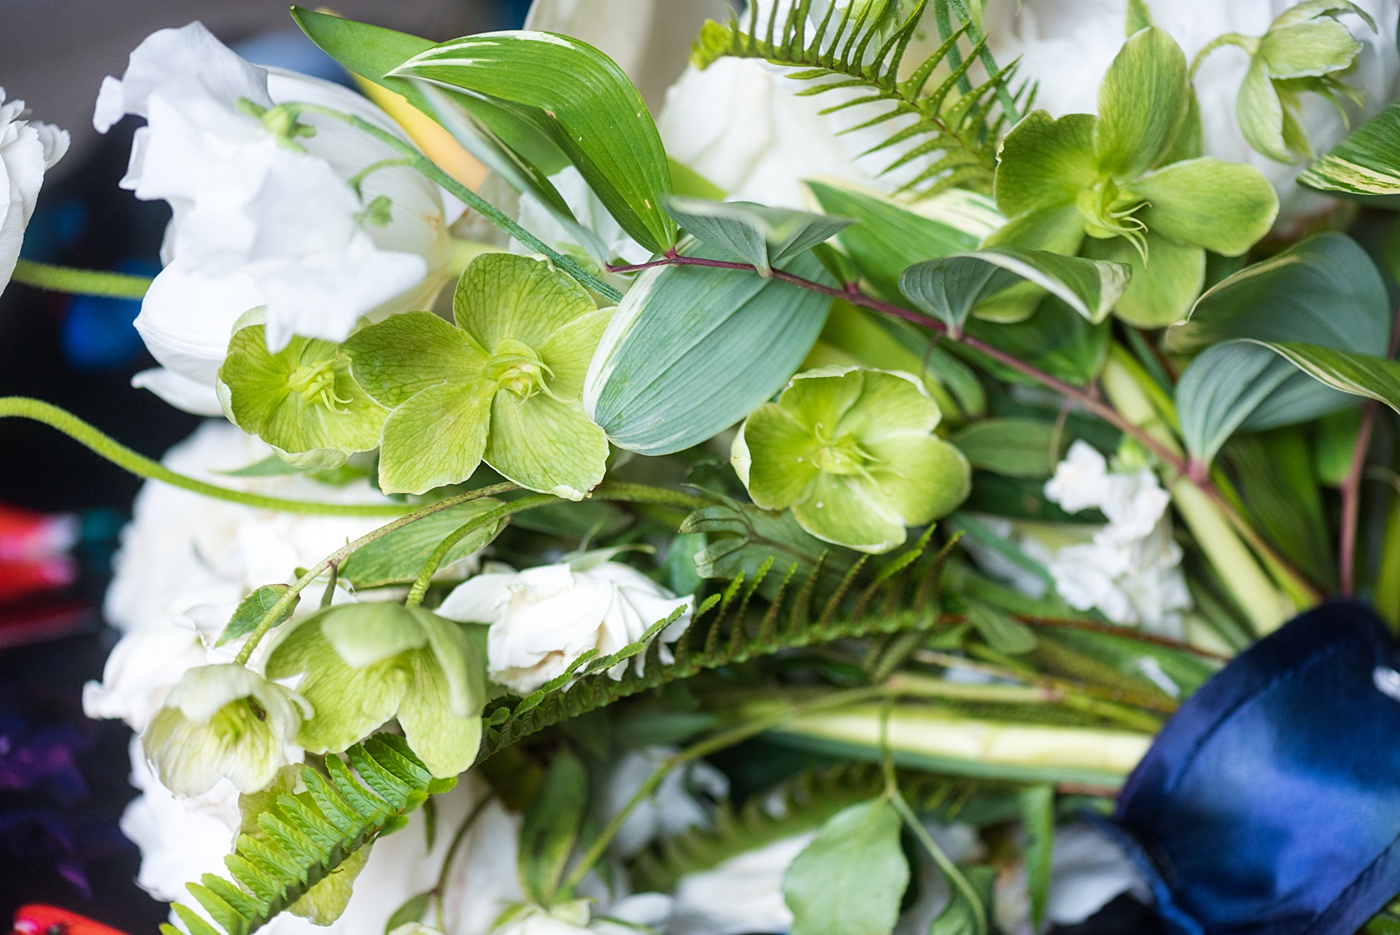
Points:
x=1079, y=479
x=671, y=809
x=743, y=894
x=179, y=391
x=27, y=149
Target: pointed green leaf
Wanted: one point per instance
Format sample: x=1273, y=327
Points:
x=756, y=234
x=850, y=879
x=1001, y=633
x=551, y=827
x=691, y=351
x=1220, y=390
x=253, y=608
x=1012, y=447
x=398, y=557
x=414, y=909
x=961, y=916
x=1055, y=338
x=1225, y=207
x=1038, y=821
x=597, y=116
x=1365, y=163
x=741, y=539
x=302, y=399
x=951, y=288
x=1144, y=103
x=1356, y=374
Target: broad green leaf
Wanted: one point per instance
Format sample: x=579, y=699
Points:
x=888, y=238
x=253, y=608
x=1356, y=374
x=962, y=917
x=398, y=557
x=1366, y=163
x=1038, y=821
x=551, y=827
x=1144, y=103
x=691, y=351
x=951, y=288
x=1012, y=447
x=301, y=400
x=1282, y=492
x=414, y=909
x=1001, y=633
x=850, y=879
x=1225, y=207
x=1221, y=389
x=757, y=234
x=1056, y=339
x=597, y=116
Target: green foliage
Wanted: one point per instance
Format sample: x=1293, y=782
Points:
x=398, y=557
x=1038, y=820
x=852, y=46
x=551, y=827
x=741, y=539
x=311, y=834
x=731, y=628
x=850, y=879
x=961, y=915
x=690, y=351
x=758, y=235
x=1365, y=163
x=1027, y=448
x=587, y=107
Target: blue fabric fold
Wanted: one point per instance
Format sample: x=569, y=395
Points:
x=1270, y=803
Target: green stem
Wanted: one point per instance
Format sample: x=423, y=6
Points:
x=712, y=744
x=435, y=560
x=644, y=493
x=468, y=197
x=334, y=560
x=1248, y=43
x=104, y=446
x=80, y=281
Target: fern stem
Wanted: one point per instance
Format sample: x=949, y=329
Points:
x=108, y=448
x=468, y=197
x=334, y=560
x=80, y=281
x=712, y=744
x=435, y=560
x=645, y=493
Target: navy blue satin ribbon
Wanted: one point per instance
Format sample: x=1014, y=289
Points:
x=1270, y=803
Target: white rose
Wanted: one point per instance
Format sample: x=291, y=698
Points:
x=1066, y=46
x=143, y=667
x=743, y=894
x=260, y=220
x=27, y=149
x=544, y=618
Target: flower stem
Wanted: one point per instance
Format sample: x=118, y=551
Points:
x=1351, y=486
x=106, y=447
x=334, y=560
x=439, y=554
x=80, y=281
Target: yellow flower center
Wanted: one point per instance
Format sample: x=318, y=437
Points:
x=516, y=367
x=315, y=383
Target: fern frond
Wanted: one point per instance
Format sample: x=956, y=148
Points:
x=308, y=836
x=955, y=126
x=730, y=629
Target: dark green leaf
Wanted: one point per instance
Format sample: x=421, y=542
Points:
x=1003, y=634
x=411, y=911
x=961, y=917
x=1055, y=339
x=551, y=827
x=1038, y=822
x=850, y=879
x=741, y=539
x=253, y=608
x=1023, y=448
x=1365, y=163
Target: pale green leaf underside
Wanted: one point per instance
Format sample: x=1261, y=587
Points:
x=757, y=234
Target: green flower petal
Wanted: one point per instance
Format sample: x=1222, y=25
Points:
x=364, y=634
x=546, y=445
x=462, y=667
x=1261, y=116
x=837, y=511
x=1225, y=207
x=773, y=457
x=435, y=438
x=1058, y=229
x=1045, y=163
x=890, y=405
x=406, y=354
x=1160, y=293
x=1308, y=49
x=569, y=351
x=920, y=478
x=819, y=399
x=445, y=741
x=505, y=296
x=300, y=400
x=1144, y=103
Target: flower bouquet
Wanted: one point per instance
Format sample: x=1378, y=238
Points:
x=839, y=466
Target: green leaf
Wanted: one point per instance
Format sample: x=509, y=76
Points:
x=888, y=238
x=1282, y=492
x=413, y=910
x=1139, y=16
x=1001, y=633
x=1012, y=447
x=740, y=539
x=596, y=115
x=1366, y=163
x=1056, y=339
x=1144, y=103
x=850, y=879
x=301, y=400
x=951, y=288
x=1038, y=821
x=756, y=234
x=690, y=351
x=253, y=608
x=960, y=916
x=551, y=827
x=398, y=557
x=1221, y=390
x=1356, y=374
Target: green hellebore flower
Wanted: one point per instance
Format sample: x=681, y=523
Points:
x=853, y=453
x=223, y=721
x=1121, y=186
x=503, y=386
x=367, y=663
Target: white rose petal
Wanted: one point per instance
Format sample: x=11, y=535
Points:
x=27, y=149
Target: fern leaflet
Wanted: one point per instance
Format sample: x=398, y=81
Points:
x=308, y=836
x=955, y=124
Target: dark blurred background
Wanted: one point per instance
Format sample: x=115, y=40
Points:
x=63, y=780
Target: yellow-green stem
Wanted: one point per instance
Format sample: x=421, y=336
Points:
x=80, y=281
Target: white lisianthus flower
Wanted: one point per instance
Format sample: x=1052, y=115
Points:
x=224, y=722
x=316, y=227
x=1066, y=46
x=27, y=149
x=544, y=618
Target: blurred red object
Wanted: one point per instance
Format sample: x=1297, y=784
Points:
x=26, y=536
x=39, y=919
